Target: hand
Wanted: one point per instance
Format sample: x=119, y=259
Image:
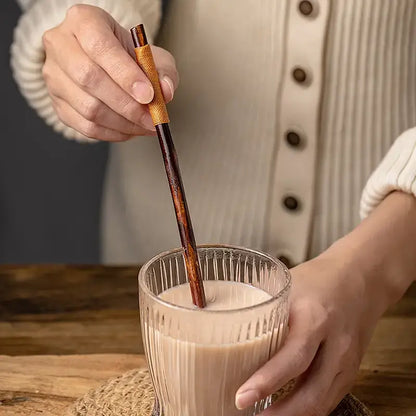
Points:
x=95, y=85
x=332, y=317
x=336, y=300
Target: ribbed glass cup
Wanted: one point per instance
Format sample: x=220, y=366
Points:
x=198, y=358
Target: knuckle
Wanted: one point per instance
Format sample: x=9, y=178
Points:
x=46, y=73
x=90, y=129
x=301, y=357
x=91, y=109
x=76, y=11
x=47, y=38
x=83, y=18
x=131, y=110
x=315, y=313
x=97, y=45
x=131, y=130
x=321, y=316
x=88, y=75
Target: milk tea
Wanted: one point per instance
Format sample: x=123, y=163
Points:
x=201, y=377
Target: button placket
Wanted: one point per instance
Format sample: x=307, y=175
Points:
x=292, y=199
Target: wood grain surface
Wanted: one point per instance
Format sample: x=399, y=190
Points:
x=46, y=385
x=94, y=310
x=69, y=310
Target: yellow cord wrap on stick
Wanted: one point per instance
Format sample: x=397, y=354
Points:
x=157, y=107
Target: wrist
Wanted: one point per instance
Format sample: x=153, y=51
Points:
x=367, y=276
x=380, y=251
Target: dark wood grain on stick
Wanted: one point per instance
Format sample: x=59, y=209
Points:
x=182, y=214
x=174, y=178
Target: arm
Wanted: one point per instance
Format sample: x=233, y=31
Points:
x=338, y=297
x=73, y=63
x=336, y=301
x=383, y=247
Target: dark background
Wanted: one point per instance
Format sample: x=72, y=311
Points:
x=50, y=188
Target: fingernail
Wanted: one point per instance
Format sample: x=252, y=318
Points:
x=246, y=399
x=169, y=84
x=142, y=92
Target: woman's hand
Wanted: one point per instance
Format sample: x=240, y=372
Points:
x=331, y=322
x=95, y=85
x=335, y=302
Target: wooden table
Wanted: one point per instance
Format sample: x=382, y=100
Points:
x=64, y=330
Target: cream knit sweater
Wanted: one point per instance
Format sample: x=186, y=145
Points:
x=248, y=182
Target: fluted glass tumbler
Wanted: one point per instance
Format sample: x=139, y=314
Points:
x=198, y=358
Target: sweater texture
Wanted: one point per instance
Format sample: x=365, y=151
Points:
x=254, y=76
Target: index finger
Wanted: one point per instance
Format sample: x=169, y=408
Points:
x=293, y=359
x=106, y=50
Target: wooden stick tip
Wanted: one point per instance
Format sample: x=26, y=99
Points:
x=139, y=35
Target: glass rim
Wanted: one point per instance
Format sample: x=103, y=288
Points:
x=148, y=292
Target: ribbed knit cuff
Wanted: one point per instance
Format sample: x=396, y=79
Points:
x=28, y=56
x=396, y=172
x=25, y=4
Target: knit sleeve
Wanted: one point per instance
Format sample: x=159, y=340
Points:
x=396, y=172
x=27, y=54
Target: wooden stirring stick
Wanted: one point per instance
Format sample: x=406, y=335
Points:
x=160, y=119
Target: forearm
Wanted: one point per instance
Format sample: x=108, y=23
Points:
x=382, y=249
x=336, y=300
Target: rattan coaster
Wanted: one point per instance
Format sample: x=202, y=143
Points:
x=128, y=394
x=131, y=394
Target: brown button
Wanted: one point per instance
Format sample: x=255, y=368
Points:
x=299, y=75
x=306, y=8
x=286, y=261
x=293, y=139
x=291, y=203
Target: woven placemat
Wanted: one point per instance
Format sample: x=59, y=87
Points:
x=131, y=394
